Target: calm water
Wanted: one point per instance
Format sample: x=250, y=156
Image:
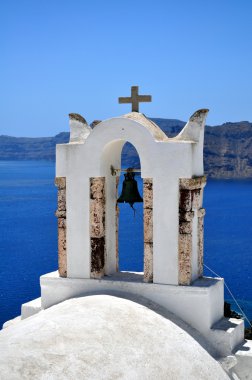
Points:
x=28, y=237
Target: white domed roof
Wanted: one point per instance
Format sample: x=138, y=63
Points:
x=102, y=337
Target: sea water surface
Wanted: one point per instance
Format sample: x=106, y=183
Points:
x=28, y=234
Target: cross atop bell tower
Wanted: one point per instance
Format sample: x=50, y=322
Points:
x=135, y=99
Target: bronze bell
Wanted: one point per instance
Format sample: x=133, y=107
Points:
x=130, y=193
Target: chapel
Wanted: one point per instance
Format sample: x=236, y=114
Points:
x=172, y=292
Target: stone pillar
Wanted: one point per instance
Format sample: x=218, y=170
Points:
x=148, y=229
x=201, y=214
x=97, y=226
x=60, y=182
x=190, y=202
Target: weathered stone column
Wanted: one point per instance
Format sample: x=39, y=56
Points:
x=60, y=182
x=97, y=226
x=148, y=229
x=201, y=214
x=190, y=202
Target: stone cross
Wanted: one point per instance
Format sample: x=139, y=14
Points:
x=135, y=99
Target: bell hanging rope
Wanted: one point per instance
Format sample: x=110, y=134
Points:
x=130, y=193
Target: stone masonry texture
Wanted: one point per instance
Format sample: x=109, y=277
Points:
x=148, y=229
x=190, y=202
x=97, y=226
x=60, y=182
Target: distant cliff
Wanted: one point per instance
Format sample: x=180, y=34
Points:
x=30, y=148
x=227, y=152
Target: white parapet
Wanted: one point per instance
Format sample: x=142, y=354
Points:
x=30, y=308
x=199, y=305
x=228, y=332
x=243, y=355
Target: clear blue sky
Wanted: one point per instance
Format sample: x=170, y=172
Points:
x=78, y=56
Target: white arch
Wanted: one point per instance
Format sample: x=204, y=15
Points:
x=107, y=139
x=106, y=142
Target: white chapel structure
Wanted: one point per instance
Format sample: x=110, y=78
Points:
x=87, y=178
x=173, y=184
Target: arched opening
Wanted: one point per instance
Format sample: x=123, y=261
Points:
x=130, y=221
x=134, y=252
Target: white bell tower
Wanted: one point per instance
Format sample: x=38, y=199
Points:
x=173, y=185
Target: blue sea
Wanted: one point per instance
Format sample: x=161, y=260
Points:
x=28, y=234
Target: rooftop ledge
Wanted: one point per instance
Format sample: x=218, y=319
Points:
x=203, y=283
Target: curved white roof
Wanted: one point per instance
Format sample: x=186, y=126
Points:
x=102, y=337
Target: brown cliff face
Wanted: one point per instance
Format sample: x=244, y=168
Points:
x=227, y=150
